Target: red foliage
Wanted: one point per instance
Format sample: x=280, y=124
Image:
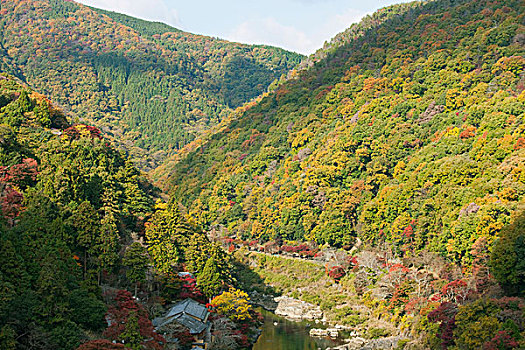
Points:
x=336, y=273
x=352, y=263
x=118, y=315
x=502, y=341
x=11, y=203
x=75, y=133
x=12, y=179
x=455, y=291
x=519, y=144
x=303, y=250
x=100, y=344
x=445, y=314
x=415, y=305
x=20, y=175
x=190, y=290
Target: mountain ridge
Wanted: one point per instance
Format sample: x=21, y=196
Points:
x=165, y=87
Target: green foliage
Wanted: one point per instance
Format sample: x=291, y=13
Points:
x=166, y=233
x=475, y=324
x=77, y=198
x=210, y=280
x=508, y=257
x=152, y=88
x=137, y=261
x=409, y=132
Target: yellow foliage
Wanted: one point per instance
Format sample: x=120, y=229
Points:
x=233, y=304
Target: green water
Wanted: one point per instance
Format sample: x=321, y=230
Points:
x=288, y=335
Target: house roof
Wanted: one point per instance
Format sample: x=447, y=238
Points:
x=190, y=307
x=188, y=313
x=194, y=326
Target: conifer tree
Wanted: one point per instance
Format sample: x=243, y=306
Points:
x=85, y=222
x=210, y=279
x=166, y=233
x=508, y=258
x=136, y=260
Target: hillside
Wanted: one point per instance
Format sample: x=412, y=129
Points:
x=150, y=87
x=406, y=125
x=403, y=145
x=69, y=202
x=79, y=228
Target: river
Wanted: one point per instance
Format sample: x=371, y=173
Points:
x=281, y=334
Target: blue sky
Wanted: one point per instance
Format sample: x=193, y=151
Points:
x=297, y=25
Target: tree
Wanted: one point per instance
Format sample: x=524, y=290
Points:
x=166, y=233
x=107, y=244
x=210, y=279
x=197, y=252
x=136, y=260
x=508, y=257
x=87, y=226
x=233, y=304
x=130, y=323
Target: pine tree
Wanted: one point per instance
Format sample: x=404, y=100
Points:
x=136, y=260
x=210, y=279
x=166, y=234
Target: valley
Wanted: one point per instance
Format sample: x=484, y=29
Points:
x=157, y=187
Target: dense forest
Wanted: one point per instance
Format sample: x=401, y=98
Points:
x=78, y=226
x=404, y=136
x=412, y=124
x=382, y=179
x=148, y=86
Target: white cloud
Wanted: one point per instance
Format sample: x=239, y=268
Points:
x=153, y=10
x=340, y=22
x=269, y=31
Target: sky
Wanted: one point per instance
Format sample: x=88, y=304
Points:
x=296, y=25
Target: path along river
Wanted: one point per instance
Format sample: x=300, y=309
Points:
x=281, y=334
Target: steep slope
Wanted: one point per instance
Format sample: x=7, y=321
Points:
x=411, y=133
x=72, y=222
x=68, y=202
x=150, y=86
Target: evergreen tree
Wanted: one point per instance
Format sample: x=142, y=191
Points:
x=86, y=224
x=197, y=252
x=210, y=280
x=136, y=260
x=508, y=258
x=166, y=234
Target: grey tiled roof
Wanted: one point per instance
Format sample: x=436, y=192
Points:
x=192, y=324
x=182, y=313
x=190, y=307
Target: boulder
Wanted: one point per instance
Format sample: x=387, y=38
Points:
x=329, y=332
x=296, y=309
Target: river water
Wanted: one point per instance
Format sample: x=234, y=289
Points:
x=281, y=334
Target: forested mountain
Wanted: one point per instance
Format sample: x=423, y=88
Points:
x=405, y=139
x=149, y=86
x=69, y=201
x=414, y=125
x=73, y=214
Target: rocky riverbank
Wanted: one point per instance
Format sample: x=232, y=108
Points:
x=290, y=308
x=358, y=343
